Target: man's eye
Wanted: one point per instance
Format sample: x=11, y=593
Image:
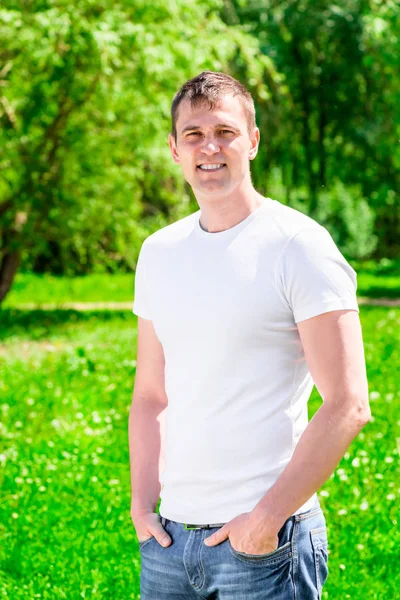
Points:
x=194, y=133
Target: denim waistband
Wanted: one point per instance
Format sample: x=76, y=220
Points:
x=299, y=517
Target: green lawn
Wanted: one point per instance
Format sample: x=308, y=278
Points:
x=65, y=528
x=42, y=289
x=374, y=280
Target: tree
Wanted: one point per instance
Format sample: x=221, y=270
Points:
x=85, y=113
x=338, y=120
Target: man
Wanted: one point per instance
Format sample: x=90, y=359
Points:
x=242, y=306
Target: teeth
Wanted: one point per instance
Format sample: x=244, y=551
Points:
x=211, y=167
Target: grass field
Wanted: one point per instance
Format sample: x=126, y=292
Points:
x=65, y=528
x=374, y=280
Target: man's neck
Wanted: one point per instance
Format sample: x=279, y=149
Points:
x=220, y=214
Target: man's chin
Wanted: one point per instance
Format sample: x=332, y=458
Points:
x=210, y=186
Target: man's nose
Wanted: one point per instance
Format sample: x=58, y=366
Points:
x=210, y=146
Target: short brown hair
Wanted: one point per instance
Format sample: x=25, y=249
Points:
x=209, y=87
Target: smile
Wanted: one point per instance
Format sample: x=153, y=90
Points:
x=212, y=167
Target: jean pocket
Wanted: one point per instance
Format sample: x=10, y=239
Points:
x=146, y=541
x=319, y=541
x=281, y=553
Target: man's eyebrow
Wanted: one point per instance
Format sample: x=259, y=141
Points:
x=218, y=126
x=190, y=128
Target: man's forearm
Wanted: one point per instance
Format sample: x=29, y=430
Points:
x=146, y=422
x=317, y=454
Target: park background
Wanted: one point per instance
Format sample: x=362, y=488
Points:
x=86, y=176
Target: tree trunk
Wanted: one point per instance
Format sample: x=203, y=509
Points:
x=8, y=268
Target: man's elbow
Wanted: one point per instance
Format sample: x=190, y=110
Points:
x=361, y=412
x=354, y=409
x=365, y=418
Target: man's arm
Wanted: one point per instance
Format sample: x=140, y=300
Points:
x=334, y=353
x=146, y=421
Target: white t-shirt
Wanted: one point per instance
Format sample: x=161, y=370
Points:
x=224, y=306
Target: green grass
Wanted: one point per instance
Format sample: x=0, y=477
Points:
x=378, y=279
x=374, y=280
x=42, y=289
x=65, y=390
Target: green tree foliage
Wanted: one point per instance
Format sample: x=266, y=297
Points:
x=339, y=118
x=86, y=92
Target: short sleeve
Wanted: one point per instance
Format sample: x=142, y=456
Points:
x=315, y=277
x=141, y=301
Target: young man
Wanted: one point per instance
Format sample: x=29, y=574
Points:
x=243, y=306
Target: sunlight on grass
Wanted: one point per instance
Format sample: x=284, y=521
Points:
x=65, y=390
x=374, y=280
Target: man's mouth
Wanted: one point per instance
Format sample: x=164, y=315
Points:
x=211, y=166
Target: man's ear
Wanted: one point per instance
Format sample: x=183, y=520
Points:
x=254, y=142
x=172, y=146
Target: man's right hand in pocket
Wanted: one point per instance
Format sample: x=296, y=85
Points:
x=147, y=525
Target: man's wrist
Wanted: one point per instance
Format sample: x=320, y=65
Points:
x=263, y=514
x=270, y=510
x=141, y=509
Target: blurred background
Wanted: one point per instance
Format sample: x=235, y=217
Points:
x=86, y=175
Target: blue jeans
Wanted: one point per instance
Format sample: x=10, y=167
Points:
x=188, y=569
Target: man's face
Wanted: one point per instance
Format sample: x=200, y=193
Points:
x=213, y=147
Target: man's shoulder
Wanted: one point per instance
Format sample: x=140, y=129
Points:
x=172, y=233
x=291, y=221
